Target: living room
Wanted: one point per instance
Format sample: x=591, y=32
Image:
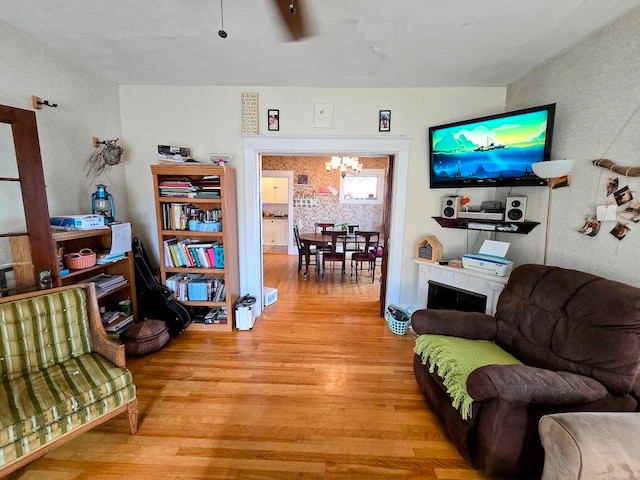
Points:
x=593, y=84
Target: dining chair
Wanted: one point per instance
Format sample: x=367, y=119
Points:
x=367, y=254
x=336, y=251
x=320, y=226
x=313, y=257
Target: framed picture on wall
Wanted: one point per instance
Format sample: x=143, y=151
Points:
x=384, y=121
x=303, y=179
x=274, y=120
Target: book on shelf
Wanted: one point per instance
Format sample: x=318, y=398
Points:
x=191, y=253
x=121, y=322
x=104, y=257
x=105, y=282
x=176, y=216
x=197, y=287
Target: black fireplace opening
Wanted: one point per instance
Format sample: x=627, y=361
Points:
x=446, y=297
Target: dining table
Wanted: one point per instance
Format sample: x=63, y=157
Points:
x=317, y=239
x=307, y=240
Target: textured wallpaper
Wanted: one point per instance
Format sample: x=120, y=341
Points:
x=328, y=208
x=597, y=94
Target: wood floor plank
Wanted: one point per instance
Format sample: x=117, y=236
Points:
x=319, y=389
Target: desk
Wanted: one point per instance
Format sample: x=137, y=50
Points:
x=309, y=239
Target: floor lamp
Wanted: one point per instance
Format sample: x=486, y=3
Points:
x=554, y=172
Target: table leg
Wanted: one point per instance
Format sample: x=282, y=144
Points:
x=307, y=259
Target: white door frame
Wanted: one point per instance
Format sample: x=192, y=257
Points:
x=251, y=269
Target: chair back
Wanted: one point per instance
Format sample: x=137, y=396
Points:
x=321, y=226
x=370, y=241
x=561, y=319
x=296, y=235
x=335, y=237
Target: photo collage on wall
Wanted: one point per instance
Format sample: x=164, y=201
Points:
x=623, y=198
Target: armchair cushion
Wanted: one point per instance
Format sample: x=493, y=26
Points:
x=522, y=383
x=455, y=358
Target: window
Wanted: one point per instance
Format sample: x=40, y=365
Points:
x=367, y=187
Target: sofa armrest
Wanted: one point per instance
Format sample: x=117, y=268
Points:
x=454, y=323
x=590, y=445
x=522, y=383
x=100, y=341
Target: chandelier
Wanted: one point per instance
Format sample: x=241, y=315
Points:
x=345, y=165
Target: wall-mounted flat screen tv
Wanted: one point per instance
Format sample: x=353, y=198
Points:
x=492, y=151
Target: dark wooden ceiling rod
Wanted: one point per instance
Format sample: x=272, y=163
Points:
x=611, y=165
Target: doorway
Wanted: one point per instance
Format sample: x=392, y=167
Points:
x=251, y=273
x=349, y=199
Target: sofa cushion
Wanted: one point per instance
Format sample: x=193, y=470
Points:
x=42, y=331
x=65, y=426
x=454, y=358
x=561, y=319
x=33, y=402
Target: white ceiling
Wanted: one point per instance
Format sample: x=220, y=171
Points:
x=355, y=43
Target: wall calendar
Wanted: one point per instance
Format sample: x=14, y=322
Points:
x=249, y=113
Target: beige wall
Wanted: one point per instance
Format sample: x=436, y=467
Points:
x=208, y=119
x=88, y=106
x=596, y=88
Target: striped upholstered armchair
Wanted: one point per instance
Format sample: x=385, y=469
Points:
x=61, y=374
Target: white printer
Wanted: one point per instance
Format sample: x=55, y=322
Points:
x=490, y=259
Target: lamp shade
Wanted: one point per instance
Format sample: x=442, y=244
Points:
x=552, y=168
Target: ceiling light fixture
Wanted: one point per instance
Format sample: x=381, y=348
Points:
x=345, y=165
x=221, y=32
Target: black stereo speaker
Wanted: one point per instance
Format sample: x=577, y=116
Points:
x=514, y=209
x=450, y=206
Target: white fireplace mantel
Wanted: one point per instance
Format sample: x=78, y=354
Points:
x=465, y=279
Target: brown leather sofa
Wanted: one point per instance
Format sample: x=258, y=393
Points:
x=578, y=337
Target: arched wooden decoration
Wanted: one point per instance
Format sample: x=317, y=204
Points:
x=611, y=165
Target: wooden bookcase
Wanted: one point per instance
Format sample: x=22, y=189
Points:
x=227, y=237
x=97, y=239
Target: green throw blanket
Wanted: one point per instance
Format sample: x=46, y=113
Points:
x=455, y=358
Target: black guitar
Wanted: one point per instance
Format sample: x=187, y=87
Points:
x=156, y=300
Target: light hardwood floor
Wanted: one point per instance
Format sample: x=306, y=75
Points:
x=319, y=389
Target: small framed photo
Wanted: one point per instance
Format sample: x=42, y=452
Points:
x=623, y=196
x=384, y=121
x=303, y=179
x=274, y=120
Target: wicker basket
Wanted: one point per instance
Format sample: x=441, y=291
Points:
x=85, y=258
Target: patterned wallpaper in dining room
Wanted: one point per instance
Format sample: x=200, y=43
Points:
x=328, y=209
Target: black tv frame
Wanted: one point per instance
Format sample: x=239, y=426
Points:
x=494, y=182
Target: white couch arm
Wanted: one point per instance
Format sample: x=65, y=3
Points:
x=588, y=445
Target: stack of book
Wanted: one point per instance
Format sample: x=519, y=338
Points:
x=208, y=187
x=106, y=283
x=115, y=323
x=176, y=188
